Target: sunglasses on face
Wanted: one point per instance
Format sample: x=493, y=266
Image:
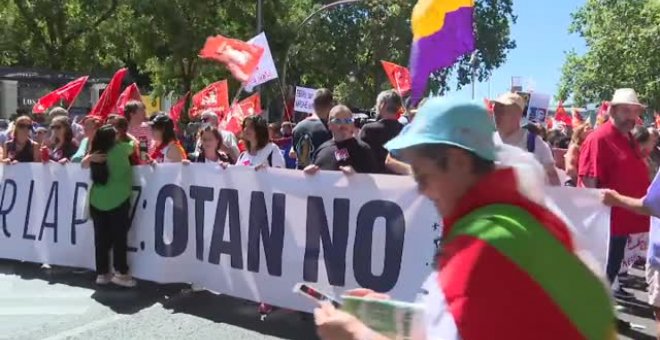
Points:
x=23, y=126
x=55, y=127
x=341, y=121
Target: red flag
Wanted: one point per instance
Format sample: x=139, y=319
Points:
x=106, y=103
x=68, y=93
x=214, y=97
x=562, y=116
x=247, y=107
x=130, y=93
x=239, y=57
x=175, y=111
x=399, y=77
x=251, y=105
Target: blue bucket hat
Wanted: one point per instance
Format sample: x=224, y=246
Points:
x=460, y=123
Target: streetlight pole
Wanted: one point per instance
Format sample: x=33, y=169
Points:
x=260, y=16
x=474, y=63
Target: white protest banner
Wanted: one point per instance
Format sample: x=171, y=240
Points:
x=538, y=107
x=304, y=99
x=239, y=232
x=266, y=70
x=249, y=234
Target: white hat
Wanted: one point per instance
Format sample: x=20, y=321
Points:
x=626, y=96
x=511, y=98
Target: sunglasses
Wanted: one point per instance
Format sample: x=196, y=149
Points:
x=55, y=127
x=341, y=121
x=23, y=126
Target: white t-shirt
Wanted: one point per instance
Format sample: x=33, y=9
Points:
x=542, y=151
x=270, y=150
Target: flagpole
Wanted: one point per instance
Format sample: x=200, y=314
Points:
x=234, y=101
x=398, y=87
x=286, y=107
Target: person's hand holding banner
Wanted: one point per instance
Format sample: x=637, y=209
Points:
x=240, y=58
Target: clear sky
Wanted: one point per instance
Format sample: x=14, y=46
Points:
x=542, y=37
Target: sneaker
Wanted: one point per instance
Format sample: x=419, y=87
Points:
x=264, y=310
x=124, y=280
x=103, y=279
x=196, y=287
x=623, y=294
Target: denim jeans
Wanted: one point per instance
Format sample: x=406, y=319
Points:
x=615, y=256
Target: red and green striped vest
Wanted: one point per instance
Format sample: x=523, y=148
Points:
x=508, y=271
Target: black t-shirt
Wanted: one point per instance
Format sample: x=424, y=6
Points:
x=377, y=134
x=332, y=155
x=307, y=139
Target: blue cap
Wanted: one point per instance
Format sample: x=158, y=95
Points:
x=460, y=123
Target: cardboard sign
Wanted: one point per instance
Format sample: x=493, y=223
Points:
x=304, y=99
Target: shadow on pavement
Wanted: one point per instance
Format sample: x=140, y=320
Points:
x=241, y=313
x=119, y=300
x=633, y=334
x=637, y=308
x=217, y=308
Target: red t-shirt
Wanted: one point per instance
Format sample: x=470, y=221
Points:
x=616, y=162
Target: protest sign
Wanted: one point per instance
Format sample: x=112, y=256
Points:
x=266, y=70
x=248, y=234
x=304, y=99
x=538, y=107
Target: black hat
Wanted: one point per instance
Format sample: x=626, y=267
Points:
x=162, y=120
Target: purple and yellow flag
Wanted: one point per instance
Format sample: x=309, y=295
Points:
x=442, y=32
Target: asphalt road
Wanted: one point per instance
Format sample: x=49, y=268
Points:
x=61, y=303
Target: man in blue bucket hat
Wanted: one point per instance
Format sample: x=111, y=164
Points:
x=499, y=248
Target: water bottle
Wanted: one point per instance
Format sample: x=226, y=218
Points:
x=144, y=150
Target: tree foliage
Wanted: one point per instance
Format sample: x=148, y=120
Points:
x=623, y=39
x=158, y=40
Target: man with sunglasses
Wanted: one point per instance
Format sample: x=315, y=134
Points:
x=343, y=152
x=229, y=141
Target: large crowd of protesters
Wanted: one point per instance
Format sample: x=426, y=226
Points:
x=449, y=148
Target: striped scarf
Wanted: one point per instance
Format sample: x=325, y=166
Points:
x=508, y=270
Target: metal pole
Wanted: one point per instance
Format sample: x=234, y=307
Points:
x=260, y=16
x=474, y=62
